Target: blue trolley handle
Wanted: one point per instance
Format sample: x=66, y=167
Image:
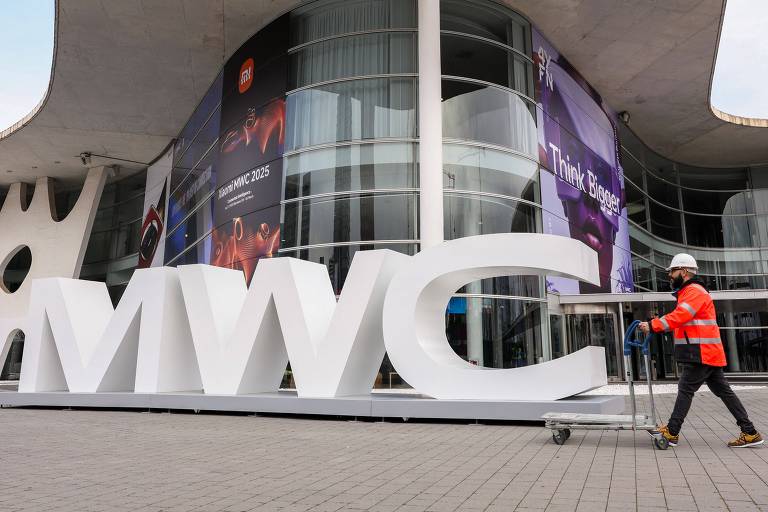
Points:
x=633, y=337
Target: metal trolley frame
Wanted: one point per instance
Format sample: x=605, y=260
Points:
x=561, y=424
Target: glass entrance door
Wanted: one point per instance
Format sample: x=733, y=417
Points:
x=597, y=329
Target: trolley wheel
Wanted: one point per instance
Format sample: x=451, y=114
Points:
x=561, y=436
x=660, y=443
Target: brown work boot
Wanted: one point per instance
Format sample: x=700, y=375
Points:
x=746, y=440
x=664, y=431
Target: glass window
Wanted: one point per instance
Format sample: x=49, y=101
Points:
x=368, y=54
x=196, y=149
x=630, y=143
x=354, y=110
x=495, y=333
x=351, y=167
x=470, y=58
x=487, y=170
x=660, y=168
x=209, y=102
x=350, y=219
x=127, y=238
x=485, y=19
x=467, y=215
x=329, y=18
x=665, y=223
x=708, y=178
x=98, y=247
x=636, y=204
x=518, y=286
x=189, y=231
x=488, y=114
x=704, y=231
x=661, y=191
x=718, y=203
x=643, y=273
x=194, y=254
x=596, y=330
x=196, y=187
x=715, y=231
x=633, y=170
x=338, y=258
x=739, y=231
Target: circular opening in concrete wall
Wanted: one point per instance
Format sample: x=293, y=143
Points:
x=16, y=269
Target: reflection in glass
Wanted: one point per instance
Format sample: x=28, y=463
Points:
x=199, y=253
x=189, y=231
x=203, y=111
x=350, y=219
x=635, y=204
x=488, y=114
x=353, y=110
x=204, y=140
x=351, y=167
x=665, y=223
x=334, y=17
x=597, y=330
x=338, y=258
x=486, y=19
x=661, y=191
x=368, y=54
x=495, y=333
x=470, y=58
x=196, y=187
x=467, y=215
x=487, y=170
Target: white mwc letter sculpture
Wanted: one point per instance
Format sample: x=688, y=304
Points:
x=414, y=319
x=199, y=327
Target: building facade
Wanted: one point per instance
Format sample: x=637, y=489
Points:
x=308, y=144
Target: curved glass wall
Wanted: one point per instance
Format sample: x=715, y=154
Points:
x=716, y=215
x=490, y=175
x=350, y=161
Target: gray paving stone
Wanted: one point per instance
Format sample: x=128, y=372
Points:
x=118, y=460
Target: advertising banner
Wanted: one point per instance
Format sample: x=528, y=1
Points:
x=246, y=205
x=582, y=181
x=152, y=234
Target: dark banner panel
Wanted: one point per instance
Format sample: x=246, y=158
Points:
x=582, y=194
x=246, y=211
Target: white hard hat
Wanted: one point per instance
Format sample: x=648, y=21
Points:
x=685, y=261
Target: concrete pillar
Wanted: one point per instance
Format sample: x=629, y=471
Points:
x=733, y=348
x=475, y=324
x=430, y=126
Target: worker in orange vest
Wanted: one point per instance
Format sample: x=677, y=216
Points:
x=699, y=349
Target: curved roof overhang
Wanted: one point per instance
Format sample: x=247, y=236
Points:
x=128, y=74
x=654, y=60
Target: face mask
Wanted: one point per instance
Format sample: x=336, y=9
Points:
x=676, y=282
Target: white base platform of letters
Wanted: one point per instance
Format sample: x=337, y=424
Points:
x=195, y=337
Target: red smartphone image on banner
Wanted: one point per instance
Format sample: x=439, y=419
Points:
x=151, y=232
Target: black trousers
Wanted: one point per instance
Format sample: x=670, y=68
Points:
x=694, y=375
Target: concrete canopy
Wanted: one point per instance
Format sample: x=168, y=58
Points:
x=127, y=75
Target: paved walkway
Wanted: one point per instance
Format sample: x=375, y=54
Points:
x=114, y=460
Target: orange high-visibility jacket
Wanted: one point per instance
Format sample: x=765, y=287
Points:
x=694, y=326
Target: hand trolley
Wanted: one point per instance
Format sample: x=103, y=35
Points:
x=561, y=424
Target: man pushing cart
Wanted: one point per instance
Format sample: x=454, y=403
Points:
x=698, y=348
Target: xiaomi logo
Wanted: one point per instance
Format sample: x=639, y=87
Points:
x=245, y=78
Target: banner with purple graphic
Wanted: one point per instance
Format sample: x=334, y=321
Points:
x=582, y=181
